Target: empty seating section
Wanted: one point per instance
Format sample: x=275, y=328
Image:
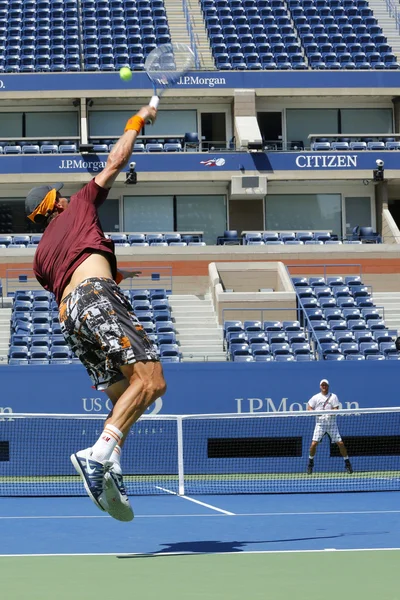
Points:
x=189, y=142
x=71, y=35
x=297, y=238
x=40, y=35
x=105, y=35
x=256, y=341
x=36, y=335
x=317, y=34
x=119, y=239
x=341, y=34
x=39, y=147
x=252, y=34
x=118, y=33
x=343, y=320
x=325, y=144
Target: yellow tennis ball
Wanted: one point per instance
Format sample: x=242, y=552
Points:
x=125, y=73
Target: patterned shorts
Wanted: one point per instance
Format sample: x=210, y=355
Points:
x=100, y=327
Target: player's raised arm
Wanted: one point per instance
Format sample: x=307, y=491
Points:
x=121, y=153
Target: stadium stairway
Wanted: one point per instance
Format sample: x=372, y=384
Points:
x=391, y=304
x=197, y=329
x=179, y=33
x=200, y=33
x=388, y=25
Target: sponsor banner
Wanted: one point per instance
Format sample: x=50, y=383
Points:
x=34, y=82
x=199, y=388
x=192, y=161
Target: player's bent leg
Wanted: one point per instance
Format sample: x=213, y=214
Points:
x=313, y=449
x=347, y=464
x=146, y=384
x=152, y=387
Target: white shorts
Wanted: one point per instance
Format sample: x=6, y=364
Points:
x=330, y=427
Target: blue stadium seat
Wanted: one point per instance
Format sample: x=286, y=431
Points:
x=272, y=326
x=252, y=326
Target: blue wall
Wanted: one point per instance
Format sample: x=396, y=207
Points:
x=207, y=388
x=60, y=164
x=202, y=80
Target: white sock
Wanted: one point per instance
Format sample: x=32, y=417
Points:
x=104, y=447
x=116, y=458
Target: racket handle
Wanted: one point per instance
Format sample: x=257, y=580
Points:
x=154, y=102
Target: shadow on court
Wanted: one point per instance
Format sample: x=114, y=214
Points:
x=218, y=547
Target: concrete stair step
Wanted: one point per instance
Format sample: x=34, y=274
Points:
x=199, y=323
x=203, y=352
x=200, y=337
x=203, y=344
x=197, y=358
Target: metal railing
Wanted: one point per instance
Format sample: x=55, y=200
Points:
x=148, y=278
x=393, y=11
x=191, y=32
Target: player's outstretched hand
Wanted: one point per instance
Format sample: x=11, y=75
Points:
x=148, y=113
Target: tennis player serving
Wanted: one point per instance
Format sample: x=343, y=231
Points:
x=326, y=424
x=76, y=262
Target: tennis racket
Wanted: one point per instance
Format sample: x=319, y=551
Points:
x=165, y=65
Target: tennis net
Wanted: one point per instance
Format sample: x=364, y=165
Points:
x=207, y=454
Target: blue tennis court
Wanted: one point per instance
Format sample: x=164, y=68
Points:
x=212, y=546
x=207, y=524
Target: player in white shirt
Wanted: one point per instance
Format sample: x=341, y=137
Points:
x=326, y=424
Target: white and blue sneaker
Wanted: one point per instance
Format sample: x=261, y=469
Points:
x=117, y=499
x=92, y=473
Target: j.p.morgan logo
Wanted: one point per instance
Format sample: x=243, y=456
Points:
x=203, y=81
x=93, y=166
x=326, y=161
x=253, y=405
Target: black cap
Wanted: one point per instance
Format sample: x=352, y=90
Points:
x=38, y=194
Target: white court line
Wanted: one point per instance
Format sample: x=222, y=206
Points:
x=132, y=554
x=221, y=510
x=179, y=516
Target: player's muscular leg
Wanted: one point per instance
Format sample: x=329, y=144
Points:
x=313, y=448
x=342, y=449
x=144, y=383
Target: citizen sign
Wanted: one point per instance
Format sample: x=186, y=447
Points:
x=327, y=161
x=252, y=405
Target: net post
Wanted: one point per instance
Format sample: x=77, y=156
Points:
x=181, y=474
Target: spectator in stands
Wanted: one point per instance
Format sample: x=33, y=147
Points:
x=76, y=262
x=326, y=424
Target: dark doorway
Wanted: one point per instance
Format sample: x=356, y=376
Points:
x=270, y=124
x=246, y=215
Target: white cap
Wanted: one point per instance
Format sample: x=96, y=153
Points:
x=324, y=381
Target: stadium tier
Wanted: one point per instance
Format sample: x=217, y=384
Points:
x=123, y=240
x=36, y=336
x=105, y=35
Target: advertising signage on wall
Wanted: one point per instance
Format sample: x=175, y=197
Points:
x=206, y=162
x=32, y=82
x=199, y=388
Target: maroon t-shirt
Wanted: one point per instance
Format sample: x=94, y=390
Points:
x=71, y=238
